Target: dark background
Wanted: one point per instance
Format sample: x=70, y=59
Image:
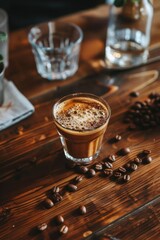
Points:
x=24, y=13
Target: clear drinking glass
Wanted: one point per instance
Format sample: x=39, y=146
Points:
x=128, y=33
x=81, y=120
x=56, y=47
x=1, y=82
x=4, y=36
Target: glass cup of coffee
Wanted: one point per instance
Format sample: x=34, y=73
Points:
x=81, y=120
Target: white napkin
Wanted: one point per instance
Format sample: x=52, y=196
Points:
x=15, y=107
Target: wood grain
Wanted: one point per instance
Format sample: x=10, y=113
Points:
x=32, y=160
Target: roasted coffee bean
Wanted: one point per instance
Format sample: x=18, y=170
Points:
x=82, y=210
x=118, y=137
x=71, y=187
x=146, y=152
x=111, y=158
x=153, y=95
x=117, y=175
x=126, y=177
x=42, y=227
x=108, y=165
x=133, y=166
x=137, y=160
x=115, y=139
x=98, y=166
x=122, y=170
x=59, y=219
x=138, y=105
x=128, y=166
x=91, y=172
x=147, y=159
x=124, y=151
x=82, y=169
x=57, y=197
x=55, y=189
x=145, y=114
x=134, y=94
x=78, y=179
x=63, y=230
x=108, y=172
x=48, y=203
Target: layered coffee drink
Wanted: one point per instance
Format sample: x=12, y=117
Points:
x=81, y=120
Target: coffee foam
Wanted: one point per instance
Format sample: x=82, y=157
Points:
x=81, y=114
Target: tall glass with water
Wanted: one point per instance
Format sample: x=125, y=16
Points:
x=128, y=33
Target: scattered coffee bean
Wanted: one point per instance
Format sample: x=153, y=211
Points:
x=128, y=166
x=57, y=197
x=143, y=154
x=55, y=189
x=71, y=187
x=146, y=152
x=153, y=95
x=42, y=227
x=111, y=158
x=91, y=172
x=118, y=137
x=133, y=166
x=82, y=169
x=115, y=139
x=108, y=165
x=48, y=203
x=108, y=172
x=82, y=210
x=126, y=177
x=137, y=160
x=78, y=179
x=59, y=219
x=124, y=151
x=147, y=159
x=63, y=229
x=134, y=94
x=117, y=175
x=98, y=166
x=122, y=170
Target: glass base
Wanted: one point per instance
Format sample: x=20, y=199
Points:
x=124, y=60
x=84, y=161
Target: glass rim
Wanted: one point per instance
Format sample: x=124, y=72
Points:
x=60, y=23
x=4, y=17
x=81, y=94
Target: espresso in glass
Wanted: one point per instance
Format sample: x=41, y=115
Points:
x=81, y=120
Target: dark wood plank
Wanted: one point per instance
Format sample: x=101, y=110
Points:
x=32, y=160
x=144, y=220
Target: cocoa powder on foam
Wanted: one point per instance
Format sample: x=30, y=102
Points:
x=81, y=114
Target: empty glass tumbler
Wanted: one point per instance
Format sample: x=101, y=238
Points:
x=128, y=33
x=56, y=47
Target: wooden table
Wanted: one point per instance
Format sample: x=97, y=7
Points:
x=32, y=161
